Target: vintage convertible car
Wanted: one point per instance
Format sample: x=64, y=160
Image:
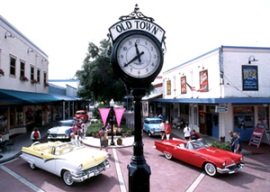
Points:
x=72, y=163
x=198, y=153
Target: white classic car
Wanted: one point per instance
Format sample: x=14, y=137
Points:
x=61, y=131
x=64, y=159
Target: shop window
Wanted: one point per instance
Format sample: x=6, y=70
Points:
x=19, y=116
x=263, y=116
x=3, y=121
x=244, y=117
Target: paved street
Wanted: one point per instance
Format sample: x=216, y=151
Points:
x=166, y=176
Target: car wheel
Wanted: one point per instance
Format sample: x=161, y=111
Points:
x=67, y=178
x=210, y=169
x=32, y=166
x=168, y=155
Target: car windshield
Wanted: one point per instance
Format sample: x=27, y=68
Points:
x=198, y=144
x=66, y=123
x=153, y=121
x=64, y=148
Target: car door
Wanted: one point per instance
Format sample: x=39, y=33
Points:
x=48, y=160
x=189, y=156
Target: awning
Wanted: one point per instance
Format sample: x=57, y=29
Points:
x=233, y=100
x=152, y=96
x=19, y=97
x=65, y=98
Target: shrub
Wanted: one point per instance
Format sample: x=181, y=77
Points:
x=93, y=128
x=221, y=146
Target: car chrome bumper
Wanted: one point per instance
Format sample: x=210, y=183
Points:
x=58, y=137
x=94, y=171
x=231, y=169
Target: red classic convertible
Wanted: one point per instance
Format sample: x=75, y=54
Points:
x=198, y=153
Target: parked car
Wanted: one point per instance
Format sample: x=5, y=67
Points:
x=72, y=163
x=151, y=126
x=199, y=154
x=82, y=114
x=61, y=131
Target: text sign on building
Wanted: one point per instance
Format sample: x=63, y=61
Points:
x=222, y=108
x=136, y=24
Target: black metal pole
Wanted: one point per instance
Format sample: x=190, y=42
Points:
x=111, y=122
x=138, y=170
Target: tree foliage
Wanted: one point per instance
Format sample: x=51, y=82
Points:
x=97, y=80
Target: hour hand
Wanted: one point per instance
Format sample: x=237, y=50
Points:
x=134, y=58
x=138, y=52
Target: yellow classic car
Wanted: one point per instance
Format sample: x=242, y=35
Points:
x=71, y=162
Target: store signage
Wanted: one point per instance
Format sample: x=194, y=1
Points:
x=221, y=108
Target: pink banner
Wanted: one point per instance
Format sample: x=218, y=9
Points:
x=119, y=114
x=104, y=112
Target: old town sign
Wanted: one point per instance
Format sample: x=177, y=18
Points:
x=137, y=53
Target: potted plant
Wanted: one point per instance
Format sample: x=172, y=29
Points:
x=33, y=81
x=119, y=141
x=2, y=72
x=23, y=78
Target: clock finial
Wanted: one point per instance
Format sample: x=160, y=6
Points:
x=136, y=14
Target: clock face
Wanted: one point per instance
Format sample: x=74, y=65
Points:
x=139, y=56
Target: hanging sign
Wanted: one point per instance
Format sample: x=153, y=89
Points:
x=136, y=24
x=119, y=114
x=104, y=112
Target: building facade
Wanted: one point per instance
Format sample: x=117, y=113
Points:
x=24, y=98
x=226, y=89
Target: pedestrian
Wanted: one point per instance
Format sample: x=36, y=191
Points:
x=103, y=135
x=82, y=129
x=35, y=135
x=168, y=129
x=194, y=135
x=237, y=146
x=232, y=141
x=162, y=130
x=75, y=134
x=187, y=132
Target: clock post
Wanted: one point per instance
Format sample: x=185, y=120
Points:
x=137, y=58
x=138, y=170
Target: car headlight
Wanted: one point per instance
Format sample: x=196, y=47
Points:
x=224, y=164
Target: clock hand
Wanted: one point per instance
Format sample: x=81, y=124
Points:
x=138, y=52
x=136, y=57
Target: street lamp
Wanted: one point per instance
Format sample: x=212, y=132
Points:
x=111, y=120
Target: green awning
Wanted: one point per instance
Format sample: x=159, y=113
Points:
x=18, y=97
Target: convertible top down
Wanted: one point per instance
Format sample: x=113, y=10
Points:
x=72, y=163
x=199, y=154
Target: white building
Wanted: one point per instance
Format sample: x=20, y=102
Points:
x=24, y=98
x=25, y=66
x=223, y=90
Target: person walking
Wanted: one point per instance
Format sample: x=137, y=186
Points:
x=231, y=133
x=162, y=130
x=35, y=135
x=187, y=132
x=103, y=135
x=237, y=143
x=168, y=129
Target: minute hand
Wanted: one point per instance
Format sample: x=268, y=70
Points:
x=136, y=57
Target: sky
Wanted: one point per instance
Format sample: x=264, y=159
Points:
x=64, y=28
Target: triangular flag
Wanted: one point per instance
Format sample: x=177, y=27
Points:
x=104, y=112
x=119, y=114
